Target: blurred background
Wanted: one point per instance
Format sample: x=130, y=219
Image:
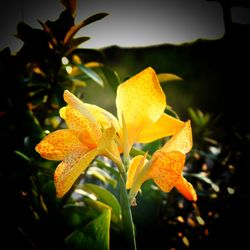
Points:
x=46, y=47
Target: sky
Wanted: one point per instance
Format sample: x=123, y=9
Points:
x=130, y=23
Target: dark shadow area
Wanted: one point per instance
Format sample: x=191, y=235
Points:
x=215, y=77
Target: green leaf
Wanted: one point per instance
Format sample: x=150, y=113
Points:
x=94, y=235
x=204, y=178
x=102, y=175
x=95, y=77
x=22, y=155
x=166, y=77
x=152, y=146
x=99, y=229
x=112, y=78
x=78, y=240
x=85, y=22
x=73, y=43
x=107, y=198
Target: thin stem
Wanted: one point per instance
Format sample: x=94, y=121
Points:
x=127, y=220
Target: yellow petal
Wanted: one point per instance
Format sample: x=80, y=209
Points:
x=70, y=169
x=76, y=121
x=181, y=141
x=166, y=125
x=107, y=145
x=136, y=165
x=141, y=101
x=58, y=144
x=102, y=116
x=186, y=189
x=166, y=169
x=77, y=104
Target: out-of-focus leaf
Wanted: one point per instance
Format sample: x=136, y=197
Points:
x=95, y=77
x=49, y=32
x=73, y=43
x=94, y=236
x=62, y=25
x=99, y=229
x=22, y=155
x=112, y=78
x=33, y=125
x=204, y=178
x=171, y=111
x=166, y=77
x=78, y=239
x=85, y=22
x=199, y=117
x=76, y=214
x=102, y=175
x=152, y=147
x=101, y=164
x=107, y=198
x=93, y=64
x=135, y=151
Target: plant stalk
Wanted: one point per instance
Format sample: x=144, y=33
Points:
x=127, y=220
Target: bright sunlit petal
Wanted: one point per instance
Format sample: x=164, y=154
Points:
x=70, y=169
x=141, y=101
x=186, y=189
x=181, y=141
x=167, y=168
x=166, y=125
x=59, y=144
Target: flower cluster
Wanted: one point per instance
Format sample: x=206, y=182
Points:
x=92, y=131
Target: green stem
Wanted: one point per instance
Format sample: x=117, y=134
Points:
x=127, y=220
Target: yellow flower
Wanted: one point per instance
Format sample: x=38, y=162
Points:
x=140, y=104
x=93, y=131
x=78, y=145
x=165, y=167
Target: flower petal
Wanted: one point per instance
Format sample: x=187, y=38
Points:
x=166, y=169
x=181, y=141
x=90, y=121
x=102, y=116
x=186, y=189
x=70, y=169
x=141, y=101
x=107, y=145
x=76, y=121
x=77, y=104
x=58, y=144
x=136, y=164
x=166, y=125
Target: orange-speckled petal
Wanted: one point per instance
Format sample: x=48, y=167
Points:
x=102, y=116
x=76, y=121
x=78, y=105
x=166, y=125
x=58, y=144
x=181, y=141
x=141, y=101
x=186, y=189
x=68, y=171
x=135, y=166
x=166, y=169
